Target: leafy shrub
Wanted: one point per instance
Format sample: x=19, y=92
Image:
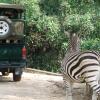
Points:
x=47, y=20
x=46, y=61
x=91, y=44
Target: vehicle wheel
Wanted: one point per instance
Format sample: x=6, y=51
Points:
x=16, y=77
x=5, y=27
x=5, y=73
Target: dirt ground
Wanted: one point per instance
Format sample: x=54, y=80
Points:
x=35, y=86
x=32, y=87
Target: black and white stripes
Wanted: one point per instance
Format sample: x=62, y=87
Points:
x=83, y=67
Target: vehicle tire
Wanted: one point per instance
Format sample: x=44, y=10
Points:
x=5, y=27
x=5, y=73
x=16, y=77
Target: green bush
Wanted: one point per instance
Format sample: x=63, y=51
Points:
x=91, y=44
x=45, y=61
x=47, y=20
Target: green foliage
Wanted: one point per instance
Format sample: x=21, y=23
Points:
x=91, y=44
x=5, y=1
x=54, y=17
x=47, y=20
x=50, y=26
x=50, y=7
x=46, y=61
x=80, y=24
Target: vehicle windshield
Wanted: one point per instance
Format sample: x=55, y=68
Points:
x=11, y=13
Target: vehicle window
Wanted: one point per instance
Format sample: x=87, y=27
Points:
x=10, y=13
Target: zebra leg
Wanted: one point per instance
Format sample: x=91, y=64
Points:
x=94, y=96
x=88, y=92
x=68, y=91
x=67, y=87
x=93, y=93
x=64, y=82
x=92, y=80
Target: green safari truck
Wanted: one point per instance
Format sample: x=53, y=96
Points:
x=12, y=40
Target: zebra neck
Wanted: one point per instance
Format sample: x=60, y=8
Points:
x=74, y=43
x=68, y=55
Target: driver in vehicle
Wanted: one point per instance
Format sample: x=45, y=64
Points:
x=9, y=14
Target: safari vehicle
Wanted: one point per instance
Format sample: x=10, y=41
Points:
x=12, y=40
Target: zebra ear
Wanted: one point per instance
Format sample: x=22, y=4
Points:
x=69, y=34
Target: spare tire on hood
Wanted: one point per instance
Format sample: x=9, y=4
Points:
x=5, y=27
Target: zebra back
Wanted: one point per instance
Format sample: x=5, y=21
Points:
x=76, y=57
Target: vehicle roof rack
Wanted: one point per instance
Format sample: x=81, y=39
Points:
x=13, y=6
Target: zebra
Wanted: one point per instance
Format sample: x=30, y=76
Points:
x=81, y=67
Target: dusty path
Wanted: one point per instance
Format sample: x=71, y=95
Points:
x=37, y=86
x=32, y=87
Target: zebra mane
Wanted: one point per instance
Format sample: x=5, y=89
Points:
x=68, y=55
